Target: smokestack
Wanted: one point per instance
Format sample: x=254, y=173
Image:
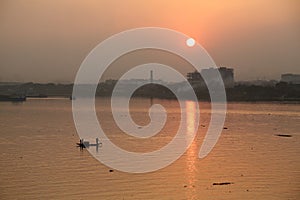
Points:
x=151, y=76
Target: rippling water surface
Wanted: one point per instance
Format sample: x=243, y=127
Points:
x=39, y=159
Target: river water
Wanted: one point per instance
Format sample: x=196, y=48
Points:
x=40, y=160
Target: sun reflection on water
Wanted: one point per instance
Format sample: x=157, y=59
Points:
x=191, y=154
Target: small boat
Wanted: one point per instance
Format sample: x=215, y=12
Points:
x=81, y=145
x=87, y=144
x=12, y=98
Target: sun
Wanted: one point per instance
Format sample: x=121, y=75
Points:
x=190, y=42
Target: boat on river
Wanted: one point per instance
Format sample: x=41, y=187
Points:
x=12, y=98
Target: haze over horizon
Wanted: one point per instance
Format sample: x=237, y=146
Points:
x=46, y=41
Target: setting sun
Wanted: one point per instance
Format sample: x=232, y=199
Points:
x=190, y=42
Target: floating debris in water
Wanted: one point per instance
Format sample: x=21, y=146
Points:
x=185, y=186
x=283, y=135
x=223, y=183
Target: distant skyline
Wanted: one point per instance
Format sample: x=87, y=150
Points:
x=46, y=41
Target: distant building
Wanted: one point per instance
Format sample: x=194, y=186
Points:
x=290, y=78
x=195, y=77
x=227, y=75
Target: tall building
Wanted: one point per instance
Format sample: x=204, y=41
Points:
x=290, y=78
x=227, y=74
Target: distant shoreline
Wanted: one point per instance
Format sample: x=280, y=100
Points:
x=170, y=99
x=281, y=92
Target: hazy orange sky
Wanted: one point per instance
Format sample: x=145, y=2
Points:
x=46, y=40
